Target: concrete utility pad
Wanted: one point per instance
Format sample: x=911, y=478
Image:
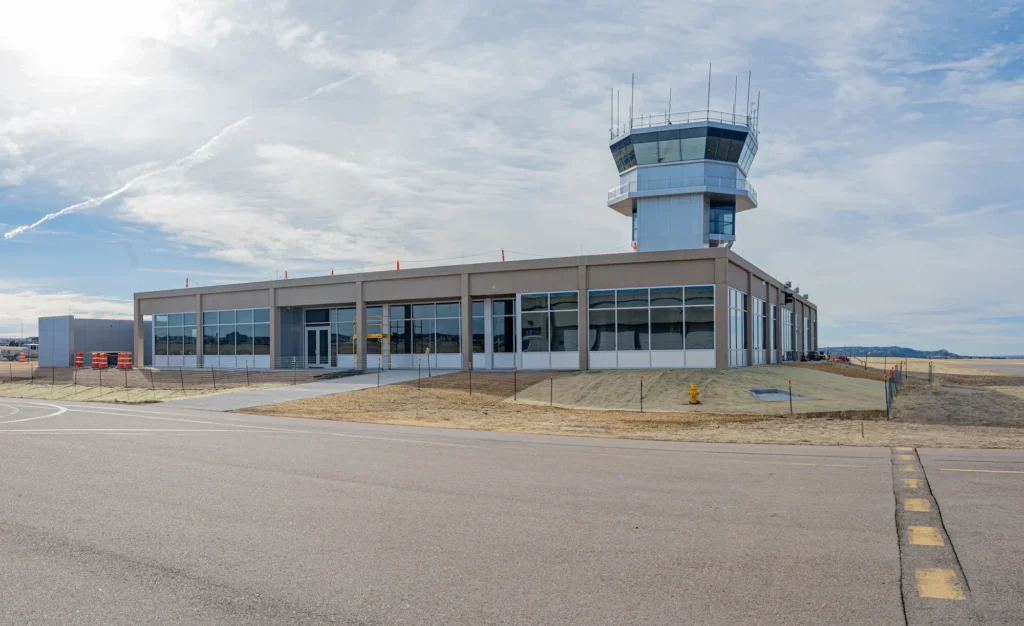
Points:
x=774, y=395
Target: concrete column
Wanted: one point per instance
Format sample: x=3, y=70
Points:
x=467, y=323
x=721, y=314
x=199, y=330
x=275, y=332
x=748, y=319
x=360, y=363
x=584, y=319
x=777, y=322
x=138, y=353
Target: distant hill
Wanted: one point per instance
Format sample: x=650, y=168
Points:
x=893, y=351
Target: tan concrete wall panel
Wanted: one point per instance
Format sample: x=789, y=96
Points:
x=316, y=295
x=737, y=277
x=699, y=272
x=408, y=289
x=173, y=304
x=522, y=281
x=255, y=299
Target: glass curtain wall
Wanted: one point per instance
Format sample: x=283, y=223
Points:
x=760, y=331
x=417, y=328
x=550, y=322
x=174, y=334
x=773, y=342
x=738, y=339
x=479, y=327
x=342, y=332
x=787, y=335
x=236, y=332
x=503, y=322
x=660, y=318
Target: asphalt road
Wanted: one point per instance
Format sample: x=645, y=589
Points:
x=159, y=515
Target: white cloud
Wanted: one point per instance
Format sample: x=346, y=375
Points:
x=21, y=305
x=425, y=130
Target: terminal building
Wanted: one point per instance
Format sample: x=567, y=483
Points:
x=682, y=299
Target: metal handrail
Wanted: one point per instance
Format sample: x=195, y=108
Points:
x=718, y=182
x=684, y=117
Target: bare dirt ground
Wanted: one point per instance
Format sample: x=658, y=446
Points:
x=961, y=405
x=445, y=402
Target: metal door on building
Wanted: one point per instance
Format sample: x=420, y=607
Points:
x=318, y=352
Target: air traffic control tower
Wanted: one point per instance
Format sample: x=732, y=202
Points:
x=683, y=177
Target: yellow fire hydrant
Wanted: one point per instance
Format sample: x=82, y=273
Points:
x=694, y=393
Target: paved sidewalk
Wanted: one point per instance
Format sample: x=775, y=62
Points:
x=259, y=397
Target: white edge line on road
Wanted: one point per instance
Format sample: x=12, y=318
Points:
x=57, y=431
x=60, y=410
x=982, y=471
x=153, y=415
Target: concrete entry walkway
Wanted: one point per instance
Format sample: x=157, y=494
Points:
x=260, y=397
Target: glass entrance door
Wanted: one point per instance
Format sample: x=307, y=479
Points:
x=318, y=353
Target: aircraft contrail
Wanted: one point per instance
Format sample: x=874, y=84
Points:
x=185, y=163
x=198, y=156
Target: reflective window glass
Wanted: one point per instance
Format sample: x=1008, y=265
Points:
x=604, y=299
x=632, y=329
x=189, y=345
x=423, y=311
x=160, y=320
x=448, y=333
x=449, y=309
x=399, y=312
x=602, y=331
x=564, y=301
x=188, y=319
x=668, y=146
x=504, y=334
x=227, y=317
x=503, y=307
x=243, y=339
x=315, y=316
x=209, y=318
x=226, y=336
x=210, y=340
x=261, y=339
x=174, y=340
x=374, y=311
x=423, y=336
x=401, y=336
x=261, y=316
x=631, y=297
x=479, y=336
x=734, y=151
x=692, y=149
x=535, y=332
x=243, y=316
x=160, y=341
x=535, y=302
x=346, y=317
x=700, y=328
x=667, y=329
x=478, y=308
x=712, y=148
x=667, y=296
x=700, y=295
x=565, y=331
x=647, y=151
x=174, y=319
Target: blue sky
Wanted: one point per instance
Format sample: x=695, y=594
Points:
x=259, y=138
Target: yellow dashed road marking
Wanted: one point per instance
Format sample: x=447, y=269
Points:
x=904, y=449
x=908, y=468
x=925, y=536
x=905, y=457
x=918, y=505
x=938, y=583
x=911, y=483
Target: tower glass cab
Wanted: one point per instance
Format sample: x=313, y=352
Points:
x=683, y=178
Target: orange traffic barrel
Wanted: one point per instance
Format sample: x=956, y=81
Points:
x=21, y=357
x=124, y=360
x=99, y=360
x=79, y=359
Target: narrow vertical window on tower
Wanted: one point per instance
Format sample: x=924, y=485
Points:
x=634, y=225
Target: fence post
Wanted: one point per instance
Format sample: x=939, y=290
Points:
x=419, y=371
x=214, y=370
x=181, y=375
x=152, y=383
x=11, y=365
x=126, y=379
x=470, y=378
x=551, y=393
x=101, y=379
x=790, y=397
x=380, y=364
x=294, y=374
x=885, y=382
x=53, y=375
x=31, y=372
x=641, y=394
x=515, y=383
x=246, y=372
